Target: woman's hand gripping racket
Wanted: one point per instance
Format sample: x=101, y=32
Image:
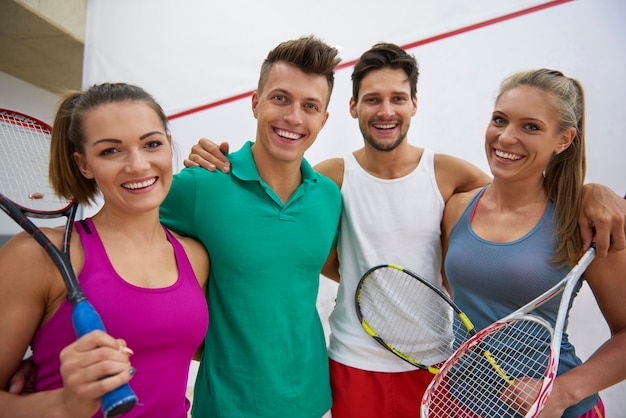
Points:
x=25, y=150
x=410, y=316
x=508, y=368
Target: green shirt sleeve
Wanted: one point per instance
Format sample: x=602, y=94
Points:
x=177, y=211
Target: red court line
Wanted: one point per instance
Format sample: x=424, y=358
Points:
x=407, y=46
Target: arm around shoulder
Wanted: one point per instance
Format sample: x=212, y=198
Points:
x=603, y=214
x=333, y=169
x=455, y=175
x=455, y=206
x=209, y=155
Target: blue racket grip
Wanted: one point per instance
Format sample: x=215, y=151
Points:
x=119, y=400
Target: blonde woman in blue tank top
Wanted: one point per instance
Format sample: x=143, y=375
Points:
x=511, y=240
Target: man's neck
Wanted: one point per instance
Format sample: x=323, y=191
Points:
x=282, y=177
x=389, y=164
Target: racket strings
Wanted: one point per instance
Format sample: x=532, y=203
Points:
x=25, y=150
x=500, y=374
x=419, y=324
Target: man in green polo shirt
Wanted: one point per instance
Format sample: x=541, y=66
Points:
x=268, y=228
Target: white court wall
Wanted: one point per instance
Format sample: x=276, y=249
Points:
x=191, y=52
x=459, y=77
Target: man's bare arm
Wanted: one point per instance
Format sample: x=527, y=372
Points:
x=455, y=175
x=331, y=267
x=603, y=214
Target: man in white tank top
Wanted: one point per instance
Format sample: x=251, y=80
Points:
x=393, y=195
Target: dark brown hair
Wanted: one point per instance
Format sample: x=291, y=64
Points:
x=309, y=54
x=384, y=55
x=68, y=135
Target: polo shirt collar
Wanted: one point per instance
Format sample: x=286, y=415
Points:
x=244, y=168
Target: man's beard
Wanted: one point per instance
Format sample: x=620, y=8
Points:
x=384, y=147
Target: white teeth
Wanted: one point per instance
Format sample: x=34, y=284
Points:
x=287, y=134
x=133, y=186
x=386, y=126
x=508, y=156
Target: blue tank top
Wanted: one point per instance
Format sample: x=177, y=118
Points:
x=489, y=280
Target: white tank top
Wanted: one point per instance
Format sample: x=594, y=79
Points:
x=383, y=221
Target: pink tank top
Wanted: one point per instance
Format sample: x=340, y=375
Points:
x=163, y=326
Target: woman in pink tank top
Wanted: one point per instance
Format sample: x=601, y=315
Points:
x=148, y=285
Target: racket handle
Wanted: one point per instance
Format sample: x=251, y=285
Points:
x=119, y=400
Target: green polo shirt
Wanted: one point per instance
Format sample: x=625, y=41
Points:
x=265, y=351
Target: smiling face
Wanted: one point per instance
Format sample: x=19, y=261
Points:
x=128, y=153
x=384, y=108
x=290, y=111
x=523, y=134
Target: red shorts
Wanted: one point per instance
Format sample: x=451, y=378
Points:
x=364, y=394
x=595, y=412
